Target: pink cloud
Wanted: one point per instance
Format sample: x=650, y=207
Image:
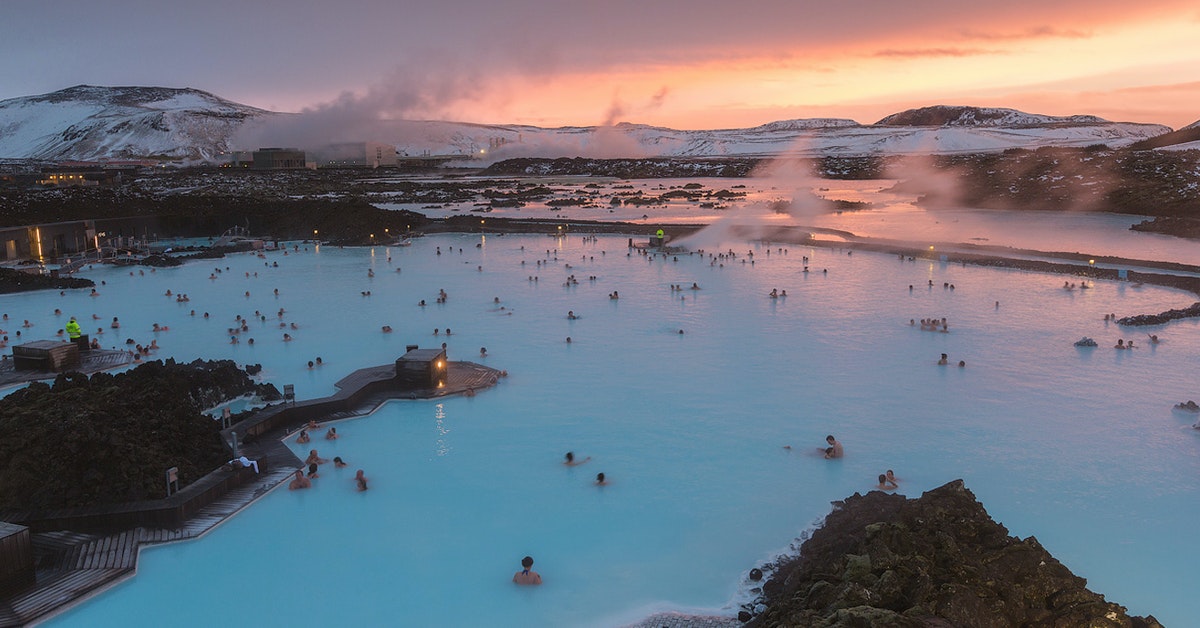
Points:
x=918, y=53
x=1032, y=32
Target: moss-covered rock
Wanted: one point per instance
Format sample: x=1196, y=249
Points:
x=110, y=438
x=939, y=560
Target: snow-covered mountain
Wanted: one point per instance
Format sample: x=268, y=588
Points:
x=945, y=115
x=893, y=135
x=1186, y=138
x=90, y=123
x=93, y=123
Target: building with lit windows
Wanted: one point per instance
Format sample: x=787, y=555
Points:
x=279, y=159
x=356, y=155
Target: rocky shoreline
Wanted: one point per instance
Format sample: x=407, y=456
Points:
x=1158, y=319
x=1173, y=226
x=885, y=560
x=12, y=280
x=90, y=441
x=1083, y=269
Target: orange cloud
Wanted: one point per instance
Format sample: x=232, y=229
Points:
x=1109, y=60
x=1190, y=87
x=934, y=52
x=1032, y=32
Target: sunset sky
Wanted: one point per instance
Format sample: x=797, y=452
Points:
x=688, y=65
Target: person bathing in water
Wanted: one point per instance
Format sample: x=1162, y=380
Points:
x=570, y=460
x=834, y=450
x=527, y=575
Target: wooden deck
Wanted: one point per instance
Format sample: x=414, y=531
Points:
x=73, y=565
x=92, y=361
x=460, y=377
x=70, y=566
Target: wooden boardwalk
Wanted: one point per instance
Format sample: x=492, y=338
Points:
x=71, y=566
x=92, y=361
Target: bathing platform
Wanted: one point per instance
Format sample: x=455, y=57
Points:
x=92, y=361
x=71, y=566
x=79, y=552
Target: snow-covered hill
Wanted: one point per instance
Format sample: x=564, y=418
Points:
x=945, y=115
x=92, y=123
x=971, y=130
x=1186, y=138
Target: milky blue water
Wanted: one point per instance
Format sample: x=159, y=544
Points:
x=1079, y=447
x=893, y=215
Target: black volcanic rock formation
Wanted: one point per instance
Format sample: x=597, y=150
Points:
x=108, y=438
x=882, y=560
x=12, y=280
x=1142, y=320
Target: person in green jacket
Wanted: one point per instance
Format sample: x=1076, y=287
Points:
x=73, y=329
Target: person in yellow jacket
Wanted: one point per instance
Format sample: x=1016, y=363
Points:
x=73, y=329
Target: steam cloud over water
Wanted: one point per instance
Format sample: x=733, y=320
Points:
x=411, y=92
x=606, y=141
x=790, y=183
x=403, y=108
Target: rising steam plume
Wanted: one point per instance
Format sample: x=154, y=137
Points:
x=411, y=91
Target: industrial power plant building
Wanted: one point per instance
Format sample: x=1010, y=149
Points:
x=279, y=159
x=356, y=155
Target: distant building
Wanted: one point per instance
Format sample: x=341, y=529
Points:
x=356, y=155
x=79, y=178
x=129, y=165
x=49, y=241
x=62, y=177
x=239, y=159
x=65, y=179
x=279, y=159
x=46, y=240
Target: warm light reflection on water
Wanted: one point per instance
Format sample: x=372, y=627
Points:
x=891, y=215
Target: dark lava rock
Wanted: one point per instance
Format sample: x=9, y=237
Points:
x=1178, y=226
x=884, y=560
x=160, y=261
x=625, y=168
x=268, y=391
x=1159, y=319
x=108, y=438
x=17, y=281
x=213, y=253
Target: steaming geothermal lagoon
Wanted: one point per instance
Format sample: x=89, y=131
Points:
x=1079, y=447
